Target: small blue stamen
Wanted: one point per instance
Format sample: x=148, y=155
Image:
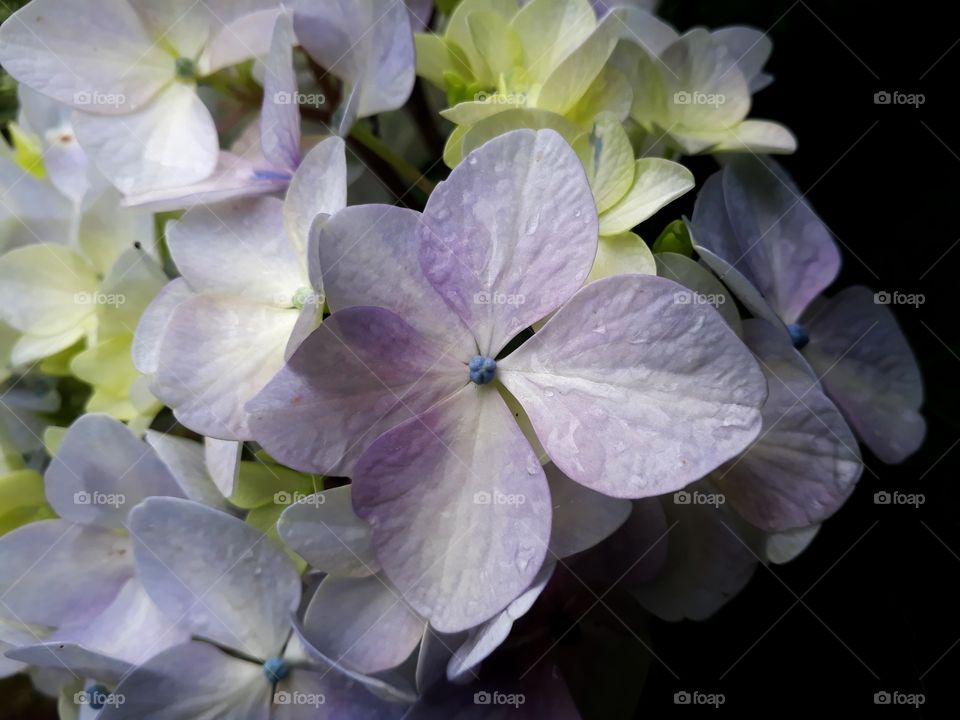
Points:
x=798, y=335
x=97, y=696
x=276, y=669
x=272, y=176
x=482, y=369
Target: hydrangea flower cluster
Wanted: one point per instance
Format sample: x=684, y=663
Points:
x=280, y=442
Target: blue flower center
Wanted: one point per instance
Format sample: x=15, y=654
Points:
x=798, y=335
x=276, y=669
x=97, y=696
x=482, y=369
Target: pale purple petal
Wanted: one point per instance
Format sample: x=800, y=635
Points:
x=360, y=246
x=777, y=240
x=344, y=698
x=280, y=116
x=225, y=579
x=76, y=50
x=581, y=517
x=392, y=685
x=171, y=141
x=324, y=530
x=233, y=177
x=711, y=557
x=191, y=681
x=866, y=366
x=238, y=249
x=366, y=43
x=806, y=461
x=362, y=623
x=218, y=353
x=319, y=187
x=718, y=247
x=186, y=460
x=459, y=506
x=364, y=371
x=510, y=235
x=89, y=566
x=635, y=389
x=79, y=660
x=131, y=629
x=153, y=324
x=484, y=639
x=223, y=462
x=101, y=470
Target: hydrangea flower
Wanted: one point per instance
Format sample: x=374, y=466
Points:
x=400, y=388
x=548, y=55
x=356, y=617
x=129, y=68
x=806, y=461
x=627, y=191
x=754, y=229
x=235, y=591
x=694, y=90
x=98, y=612
x=211, y=340
x=266, y=165
x=57, y=293
x=368, y=44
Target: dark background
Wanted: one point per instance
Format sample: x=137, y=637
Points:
x=884, y=609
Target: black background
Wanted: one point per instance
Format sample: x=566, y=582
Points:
x=884, y=609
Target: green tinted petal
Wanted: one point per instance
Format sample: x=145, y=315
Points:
x=657, y=182
x=607, y=156
x=622, y=254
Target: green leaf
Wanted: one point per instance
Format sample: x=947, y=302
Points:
x=675, y=238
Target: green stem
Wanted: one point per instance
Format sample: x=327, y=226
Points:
x=362, y=134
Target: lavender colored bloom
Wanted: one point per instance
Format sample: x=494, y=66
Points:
x=75, y=575
x=268, y=165
x=754, y=229
x=236, y=592
x=631, y=389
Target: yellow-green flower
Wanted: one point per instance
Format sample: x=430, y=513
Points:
x=548, y=55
